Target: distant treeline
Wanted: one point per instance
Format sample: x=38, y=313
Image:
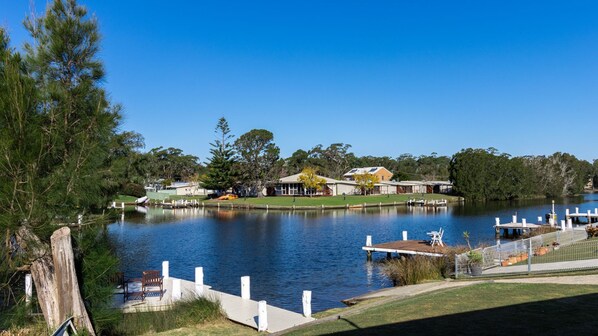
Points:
x=477, y=174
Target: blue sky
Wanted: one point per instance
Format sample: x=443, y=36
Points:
x=387, y=77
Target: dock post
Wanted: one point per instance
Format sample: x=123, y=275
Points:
x=551, y=221
x=176, y=290
x=497, y=220
x=514, y=219
x=540, y=220
x=245, y=294
x=567, y=213
x=113, y=205
x=563, y=227
x=307, y=303
x=199, y=281
x=262, y=316
x=28, y=288
x=165, y=270
x=570, y=224
x=589, y=217
x=404, y=235
x=524, y=222
x=122, y=205
x=369, y=255
x=368, y=240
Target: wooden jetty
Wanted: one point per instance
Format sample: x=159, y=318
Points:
x=517, y=227
x=591, y=217
x=404, y=247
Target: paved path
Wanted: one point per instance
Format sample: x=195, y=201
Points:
x=237, y=309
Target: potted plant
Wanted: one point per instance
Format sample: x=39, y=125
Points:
x=475, y=258
x=475, y=261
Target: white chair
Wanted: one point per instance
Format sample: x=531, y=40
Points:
x=436, y=237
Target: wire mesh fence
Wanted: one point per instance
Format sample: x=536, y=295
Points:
x=550, y=252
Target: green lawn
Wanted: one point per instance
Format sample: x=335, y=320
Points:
x=337, y=200
x=585, y=249
x=483, y=309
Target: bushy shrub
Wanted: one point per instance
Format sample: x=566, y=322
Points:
x=133, y=189
x=416, y=269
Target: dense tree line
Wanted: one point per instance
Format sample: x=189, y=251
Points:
x=485, y=174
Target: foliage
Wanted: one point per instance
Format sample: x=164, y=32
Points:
x=413, y=270
x=311, y=181
x=484, y=174
x=221, y=174
x=257, y=161
x=365, y=182
x=134, y=189
x=183, y=313
x=58, y=137
x=170, y=164
x=97, y=264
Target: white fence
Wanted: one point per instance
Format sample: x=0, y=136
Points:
x=555, y=251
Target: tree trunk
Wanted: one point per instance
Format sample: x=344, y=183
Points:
x=55, y=278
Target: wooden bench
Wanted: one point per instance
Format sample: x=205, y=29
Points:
x=152, y=283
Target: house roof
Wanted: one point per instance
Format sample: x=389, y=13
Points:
x=402, y=183
x=363, y=170
x=295, y=179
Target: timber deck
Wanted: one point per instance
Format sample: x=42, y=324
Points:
x=411, y=247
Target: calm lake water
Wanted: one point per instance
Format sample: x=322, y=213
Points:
x=286, y=253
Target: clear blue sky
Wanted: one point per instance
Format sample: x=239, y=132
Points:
x=387, y=77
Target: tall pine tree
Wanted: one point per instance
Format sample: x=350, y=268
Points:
x=221, y=175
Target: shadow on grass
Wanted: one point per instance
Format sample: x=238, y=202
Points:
x=574, y=315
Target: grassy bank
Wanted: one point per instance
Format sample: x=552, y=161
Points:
x=200, y=311
x=483, y=309
x=336, y=200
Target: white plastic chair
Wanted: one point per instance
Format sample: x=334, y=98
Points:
x=436, y=237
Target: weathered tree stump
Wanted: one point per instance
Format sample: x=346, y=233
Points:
x=55, y=278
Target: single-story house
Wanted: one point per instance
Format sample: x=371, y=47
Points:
x=439, y=187
x=382, y=173
x=186, y=189
x=290, y=185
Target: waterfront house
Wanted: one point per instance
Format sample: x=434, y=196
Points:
x=439, y=187
x=382, y=173
x=291, y=186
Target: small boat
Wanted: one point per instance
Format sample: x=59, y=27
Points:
x=142, y=200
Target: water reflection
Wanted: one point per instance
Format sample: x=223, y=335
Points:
x=286, y=252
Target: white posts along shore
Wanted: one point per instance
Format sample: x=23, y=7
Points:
x=199, y=281
x=404, y=235
x=165, y=271
x=245, y=293
x=368, y=240
x=177, y=294
x=262, y=316
x=307, y=303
